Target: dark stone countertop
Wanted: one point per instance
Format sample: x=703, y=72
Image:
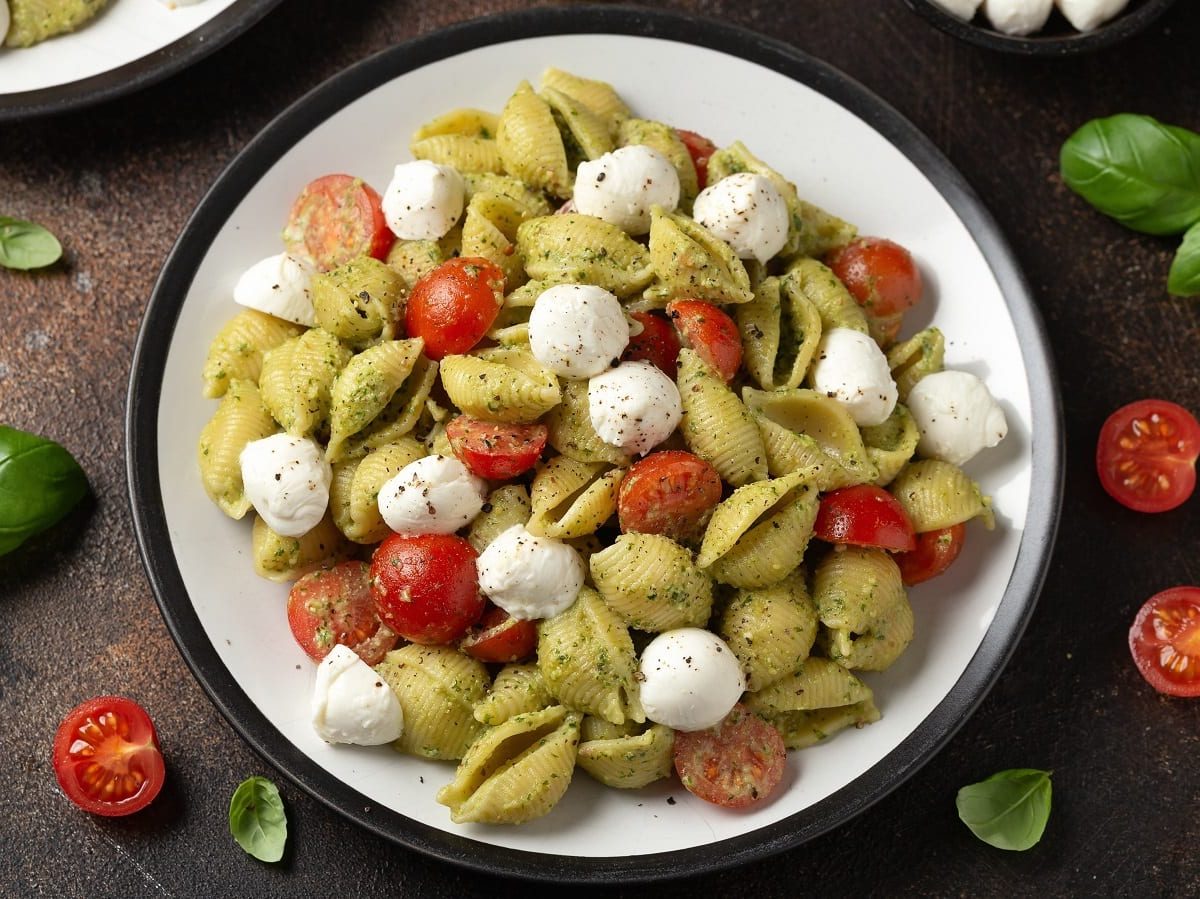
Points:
x=117, y=183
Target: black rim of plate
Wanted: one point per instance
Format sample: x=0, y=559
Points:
x=138, y=73
x=149, y=517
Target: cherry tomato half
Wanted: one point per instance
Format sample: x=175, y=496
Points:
x=335, y=605
x=425, y=586
x=735, y=764
x=935, y=552
x=106, y=757
x=1146, y=455
x=670, y=492
x=657, y=344
x=496, y=451
x=700, y=148
x=1165, y=641
x=710, y=332
x=335, y=219
x=500, y=638
x=879, y=273
x=864, y=515
x=453, y=306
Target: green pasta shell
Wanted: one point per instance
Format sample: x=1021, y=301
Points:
x=815, y=282
x=691, y=262
x=811, y=705
x=652, y=582
x=630, y=762
x=571, y=431
x=464, y=121
x=365, y=387
x=788, y=452
x=585, y=134
x=532, y=202
x=236, y=353
x=489, y=228
x=504, y=384
x=716, y=426
x=506, y=506
x=770, y=629
x=891, y=445
x=938, y=495
x=280, y=558
x=780, y=334
x=666, y=141
x=571, y=498
x=400, y=415
x=517, y=690
x=598, y=96
x=465, y=153
x=240, y=418
x=922, y=354
x=862, y=604
x=412, y=260
x=354, y=491
x=297, y=379
x=359, y=301
x=582, y=249
x=531, y=147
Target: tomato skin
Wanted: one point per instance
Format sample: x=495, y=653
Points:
x=934, y=553
x=735, y=764
x=335, y=605
x=700, y=148
x=500, y=638
x=494, y=451
x=335, y=219
x=669, y=492
x=1165, y=641
x=452, y=307
x=106, y=757
x=880, y=274
x=657, y=344
x=710, y=332
x=1146, y=455
x=865, y=515
x=425, y=586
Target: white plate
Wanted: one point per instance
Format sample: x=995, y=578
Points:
x=866, y=165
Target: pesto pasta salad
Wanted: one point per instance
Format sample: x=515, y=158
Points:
x=588, y=444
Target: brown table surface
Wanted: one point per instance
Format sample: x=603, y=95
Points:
x=117, y=183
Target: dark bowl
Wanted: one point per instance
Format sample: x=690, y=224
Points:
x=1058, y=38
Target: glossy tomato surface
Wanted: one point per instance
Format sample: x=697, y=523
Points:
x=500, y=638
x=425, y=586
x=864, y=515
x=453, y=306
x=1165, y=641
x=335, y=219
x=496, y=451
x=335, y=605
x=106, y=757
x=656, y=344
x=934, y=553
x=669, y=492
x=700, y=148
x=710, y=332
x=735, y=764
x=880, y=274
x=1146, y=455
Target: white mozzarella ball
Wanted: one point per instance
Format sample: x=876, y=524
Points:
x=1017, y=17
x=353, y=704
x=1087, y=15
x=621, y=186
x=690, y=679
x=423, y=200
x=433, y=495
x=957, y=416
x=530, y=577
x=634, y=406
x=747, y=212
x=577, y=330
x=852, y=369
x=278, y=286
x=287, y=481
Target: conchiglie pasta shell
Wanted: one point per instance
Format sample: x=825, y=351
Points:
x=771, y=629
x=690, y=261
x=517, y=690
x=466, y=153
x=509, y=506
x=280, y=558
x=572, y=499
x=891, y=445
x=582, y=249
x=922, y=354
x=438, y=688
x=594, y=728
x=772, y=549
x=359, y=301
x=628, y=763
x=504, y=384
x=652, y=582
x=530, y=144
x=488, y=233
x=464, y=120
x=815, y=282
x=240, y=418
x=819, y=700
x=598, y=96
x=364, y=388
x=297, y=377
x=666, y=141
x=583, y=131
x=400, y=415
x=788, y=452
x=531, y=202
x=571, y=431
x=938, y=495
x=236, y=353
x=412, y=260
x=780, y=334
x=354, y=491
x=715, y=424
x=861, y=600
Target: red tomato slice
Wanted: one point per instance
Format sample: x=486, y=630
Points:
x=1165, y=641
x=657, y=344
x=335, y=605
x=935, y=552
x=425, y=586
x=500, y=638
x=1146, y=455
x=106, y=757
x=881, y=275
x=700, y=148
x=452, y=307
x=735, y=764
x=496, y=451
x=710, y=332
x=670, y=492
x=865, y=515
x=335, y=219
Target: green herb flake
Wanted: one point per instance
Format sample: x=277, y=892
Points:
x=257, y=820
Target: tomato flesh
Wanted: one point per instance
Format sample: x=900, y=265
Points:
x=880, y=274
x=335, y=219
x=657, y=344
x=500, y=638
x=496, y=451
x=453, y=306
x=864, y=515
x=1165, y=641
x=735, y=764
x=425, y=586
x=710, y=332
x=934, y=553
x=335, y=605
x=106, y=757
x=1146, y=455
x=670, y=492
x=700, y=148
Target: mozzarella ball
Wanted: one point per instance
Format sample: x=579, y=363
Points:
x=634, y=406
x=960, y=9
x=1087, y=15
x=530, y=577
x=690, y=679
x=423, y=200
x=353, y=704
x=621, y=186
x=577, y=330
x=1017, y=17
x=852, y=369
x=747, y=212
x=287, y=481
x=433, y=495
x=278, y=286
x=956, y=415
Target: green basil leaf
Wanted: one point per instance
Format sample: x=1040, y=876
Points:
x=1134, y=168
x=39, y=483
x=256, y=819
x=26, y=245
x=1009, y=810
x=1184, y=278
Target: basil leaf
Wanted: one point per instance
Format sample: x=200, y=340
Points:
x=39, y=483
x=26, y=245
x=1184, y=278
x=256, y=819
x=1009, y=810
x=1134, y=168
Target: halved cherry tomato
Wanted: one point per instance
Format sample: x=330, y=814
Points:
x=735, y=764
x=935, y=552
x=670, y=492
x=864, y=515
x=425, y=586
x=1146, y=455
x=453, y=306
x=657, y=344
x=106, y=757
x=710, y=332
x=500, y=638
x=700, y=148
x=335, y=219
x=1165, y=641
x=881, y=275
x=496, y=451
x=335, y=605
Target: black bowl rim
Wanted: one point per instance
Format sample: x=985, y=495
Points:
x=138, y=73
x=1124, y=26
x=1012, y=615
